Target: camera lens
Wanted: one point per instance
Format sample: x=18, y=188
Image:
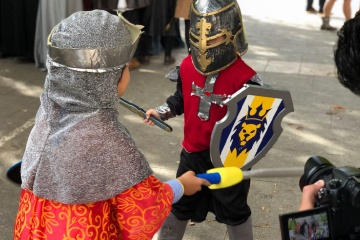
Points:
x=316, y=168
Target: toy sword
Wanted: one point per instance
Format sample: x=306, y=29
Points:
x=141, y=112
x=224, y=177
x=218, y=177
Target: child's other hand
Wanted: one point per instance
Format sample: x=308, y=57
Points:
x=191, y=183
x=148, y=113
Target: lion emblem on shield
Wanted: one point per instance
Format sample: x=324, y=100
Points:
x=251, y=126
x=246, y=133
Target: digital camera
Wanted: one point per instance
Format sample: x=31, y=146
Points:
x=337, y=211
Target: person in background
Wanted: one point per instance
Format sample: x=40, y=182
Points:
x=163, y=26
x=346, y=54
x=49, y=13
x=136, y=12
x=182, y=11
x=7, y=29
x=17, y=29
x=327, y=12
x=82, y=175
x=139, y=12
x=310, y=9
x=346, y=58
x=25, y=26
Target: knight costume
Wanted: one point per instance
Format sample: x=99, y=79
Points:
x=210, y=74
x=81, y=168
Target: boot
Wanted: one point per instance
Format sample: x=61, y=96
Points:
x=326, y=25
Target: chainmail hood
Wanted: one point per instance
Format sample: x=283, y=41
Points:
x=78, y=151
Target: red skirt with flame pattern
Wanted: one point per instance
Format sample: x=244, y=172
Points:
x=136, y=213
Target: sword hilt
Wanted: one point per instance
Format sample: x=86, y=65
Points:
x=142, y=113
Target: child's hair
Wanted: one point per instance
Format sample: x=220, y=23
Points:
x=347, y=54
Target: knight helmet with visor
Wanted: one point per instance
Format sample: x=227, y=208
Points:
x=217, y=34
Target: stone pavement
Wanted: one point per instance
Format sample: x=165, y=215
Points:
x=286, y=48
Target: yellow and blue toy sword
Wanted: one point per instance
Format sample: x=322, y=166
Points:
x=250, y=128
x=228, y=176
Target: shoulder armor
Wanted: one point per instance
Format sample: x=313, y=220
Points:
x=174, y=74
x=256, y=79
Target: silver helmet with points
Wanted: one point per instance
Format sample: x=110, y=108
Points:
x=217, y=35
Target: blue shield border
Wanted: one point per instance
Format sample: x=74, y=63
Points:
x=224, y=128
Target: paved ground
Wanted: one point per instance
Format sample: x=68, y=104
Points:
x=286, y=48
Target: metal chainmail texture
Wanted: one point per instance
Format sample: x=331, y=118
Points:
x=78, y=151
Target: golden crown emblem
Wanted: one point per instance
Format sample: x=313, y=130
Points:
x=257, y=114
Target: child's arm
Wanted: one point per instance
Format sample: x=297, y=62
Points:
x=174, y=106
x=186, y=184
x=150, y=195
x=191, y=183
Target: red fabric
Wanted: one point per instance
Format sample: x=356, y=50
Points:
x=136, y=213
x=230, y=80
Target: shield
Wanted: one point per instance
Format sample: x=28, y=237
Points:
x=251, y=126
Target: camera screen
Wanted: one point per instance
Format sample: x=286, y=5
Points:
x=310, y=224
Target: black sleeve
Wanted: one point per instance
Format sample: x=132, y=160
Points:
x=176, y=101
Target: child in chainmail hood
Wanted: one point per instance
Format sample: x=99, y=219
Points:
x=81, y=169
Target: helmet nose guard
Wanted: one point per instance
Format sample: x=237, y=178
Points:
x=216, y=34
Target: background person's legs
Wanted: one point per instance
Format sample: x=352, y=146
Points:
x=309, y=6
x=347, y=9
x=321, y=6
x=326, y=18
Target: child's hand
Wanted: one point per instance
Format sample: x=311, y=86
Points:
x=148, y=113
x=191, y=183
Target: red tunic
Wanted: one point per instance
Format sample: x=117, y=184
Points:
x=136, y=213
x=197, y=133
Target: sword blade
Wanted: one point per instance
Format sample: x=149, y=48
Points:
x=273, y=172
x=142, y=113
